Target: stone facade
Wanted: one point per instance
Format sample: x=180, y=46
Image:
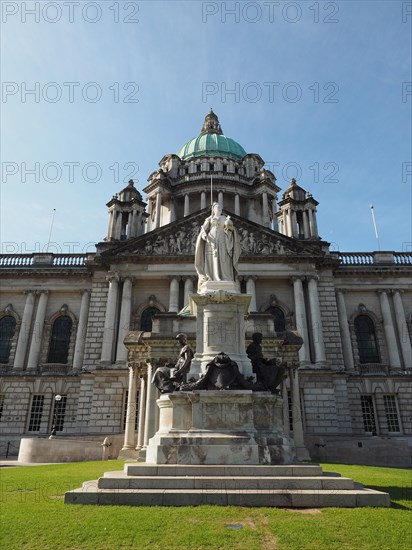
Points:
x=355, y=386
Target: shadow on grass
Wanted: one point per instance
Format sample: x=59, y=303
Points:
x=396, y=493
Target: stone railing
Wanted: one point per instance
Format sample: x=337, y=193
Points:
x=42, y=259
x=54, y=368
x=375, y=258
x=374, y=369
x=16, y=260
x=403, y=258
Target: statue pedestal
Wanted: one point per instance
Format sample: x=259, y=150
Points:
x=220, y=327
x=220, y=427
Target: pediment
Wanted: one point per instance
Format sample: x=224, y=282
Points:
x=179, y=239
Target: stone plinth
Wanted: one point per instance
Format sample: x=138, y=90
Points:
x=220, y=326
x=220, y=427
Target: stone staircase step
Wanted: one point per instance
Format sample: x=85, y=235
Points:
x=91, y=494
x=218, y=482
x=145, y=469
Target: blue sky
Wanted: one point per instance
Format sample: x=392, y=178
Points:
x=319, y=94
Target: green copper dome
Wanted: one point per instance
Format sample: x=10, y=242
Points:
x=211, y=142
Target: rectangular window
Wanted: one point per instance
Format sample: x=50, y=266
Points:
x=59, y=411
x=211, y=167
x=391, y=411
x=224, y=168
x=198, y=167
x=36, y=413
x=368, y=414
x=136, y=420
x=2, y=396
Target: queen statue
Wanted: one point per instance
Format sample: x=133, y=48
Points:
x=217, y=249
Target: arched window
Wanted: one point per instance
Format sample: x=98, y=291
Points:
x=278, y=318
x=7, y=328
x=60, y=340
x=366, y=339
x=146, y=318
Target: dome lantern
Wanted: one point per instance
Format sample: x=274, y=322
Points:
x=211, y=142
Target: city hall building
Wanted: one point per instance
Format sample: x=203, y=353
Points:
x=63, y=317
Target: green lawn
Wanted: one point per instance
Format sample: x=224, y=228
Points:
x=33, y=515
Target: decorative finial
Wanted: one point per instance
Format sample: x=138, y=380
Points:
x=293, y=181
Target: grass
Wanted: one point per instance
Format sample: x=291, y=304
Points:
x=33, y=516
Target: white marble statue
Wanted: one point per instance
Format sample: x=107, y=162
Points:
x=217, y=249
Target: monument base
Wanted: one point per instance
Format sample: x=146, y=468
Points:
x=220, y=427
x=220, y=327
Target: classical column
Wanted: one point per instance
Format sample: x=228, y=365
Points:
x=142, y=408
x=316, y=321
x=151, y=405
x=172, y=206
x=301, y=451
x=251, y=289
x=282, y=226
x=402, y=329
x=130, y=432
x=220, y=198
x=202, y=200
x=295, y=230
x=24, y=331
x=265, y=209
x=149, y=220
x=110, y=319
x=312, y=223
x=158, y=209
x=81, y=331
x=289, y=229
x=301, y=322
x=186, y=210
x=188, y=290
x=174, y=295
x=124, y=322
x=36, y=339
x=237, y=204
x=274, y=213
x=306, y=229
x=110, y=230
x=344, y=330
x=391, y=344
x=119, y=220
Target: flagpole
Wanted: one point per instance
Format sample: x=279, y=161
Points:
x=374, y=225
x=51, y=229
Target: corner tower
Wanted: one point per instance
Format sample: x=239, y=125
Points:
x=127, y=215
x=297, y=214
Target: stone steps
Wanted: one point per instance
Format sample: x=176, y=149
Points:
x=300, y=486
x=145, y=469
x=222, y=483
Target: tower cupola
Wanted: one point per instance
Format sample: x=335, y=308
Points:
x=127, y=215
x=297, y=213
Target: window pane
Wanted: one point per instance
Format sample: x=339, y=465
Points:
x=279, y=318
x=7, y=328
x=391, y=413
x=59, y=412
x=146, y=319
x=368, y=413
x=366, y=338
x=36, y=413
x=60, y=340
